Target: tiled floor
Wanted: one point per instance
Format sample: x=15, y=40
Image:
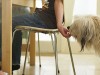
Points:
x=84, y=65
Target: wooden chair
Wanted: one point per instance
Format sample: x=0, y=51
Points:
x=7, y=31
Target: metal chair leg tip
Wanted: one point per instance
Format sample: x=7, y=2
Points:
x=22, y=74
x=40, y=66
x=58, y=71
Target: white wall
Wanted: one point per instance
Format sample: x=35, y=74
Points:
x=98, y=7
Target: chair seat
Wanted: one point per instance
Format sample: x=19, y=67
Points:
x=36, y=29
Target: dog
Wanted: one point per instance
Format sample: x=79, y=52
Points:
x=86, y=30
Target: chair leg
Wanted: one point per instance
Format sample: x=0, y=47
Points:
x=12, y=72
x=55, y=51
x=26, y=53
x=71, y=57
x=14, y=34
x=39, y=50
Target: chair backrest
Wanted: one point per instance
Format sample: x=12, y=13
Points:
x=68, y=11
x=43, y=2
x=29, y=3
